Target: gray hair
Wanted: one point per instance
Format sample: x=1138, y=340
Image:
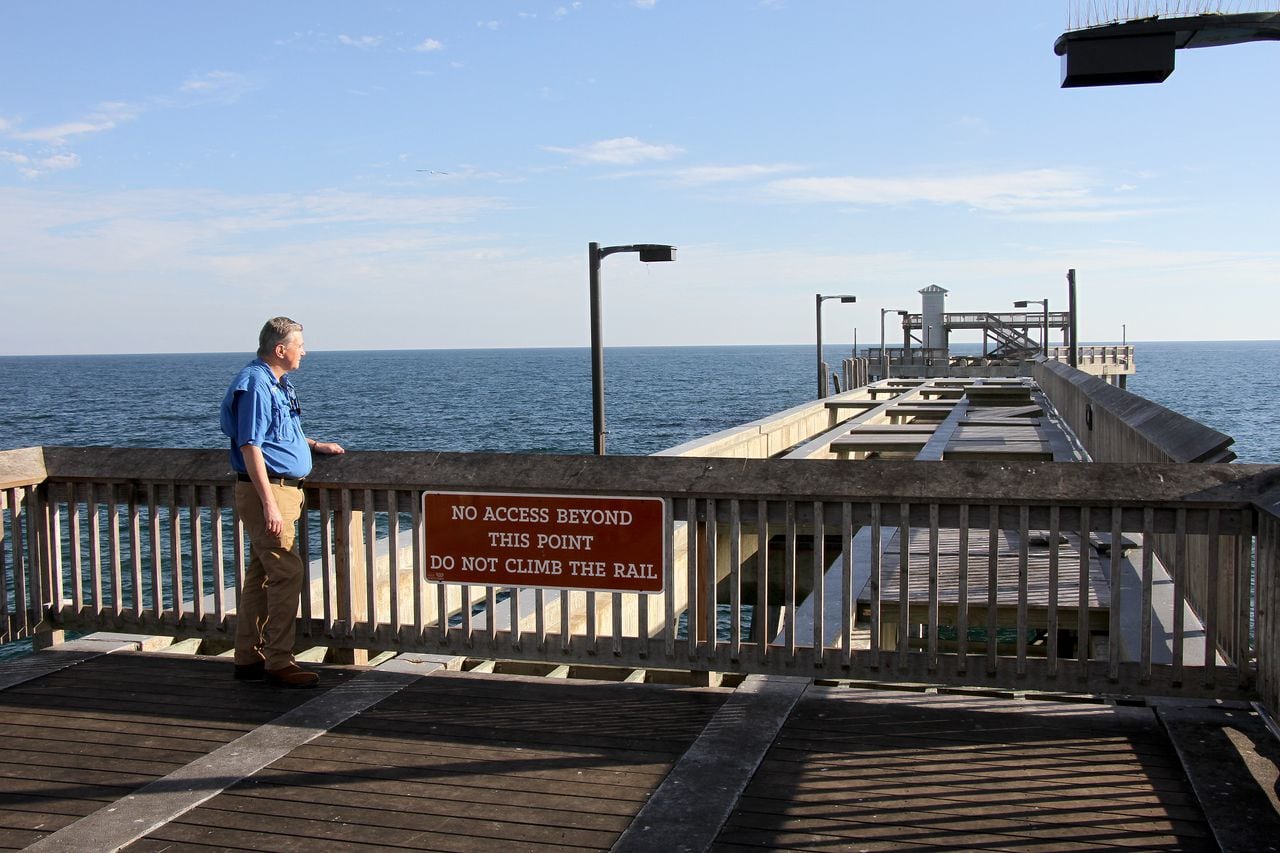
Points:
x=276, y=331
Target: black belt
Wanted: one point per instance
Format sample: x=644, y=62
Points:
x=274, y=479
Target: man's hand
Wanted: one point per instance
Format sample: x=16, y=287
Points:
x=271, y=514
x=327, y=448
x=257, y=470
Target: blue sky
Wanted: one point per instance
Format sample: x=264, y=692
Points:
x=413, y=175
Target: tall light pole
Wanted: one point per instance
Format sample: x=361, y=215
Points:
x=649, y=253
x=1044, y=303
x=818, y=300
x=884, y=363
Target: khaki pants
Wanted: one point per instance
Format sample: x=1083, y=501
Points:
x=272, y=580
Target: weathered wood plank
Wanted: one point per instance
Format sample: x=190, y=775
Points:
x=887, y=771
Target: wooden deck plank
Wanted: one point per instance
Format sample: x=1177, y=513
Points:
x=467, y=762
x=62, y=735
x=951, y=773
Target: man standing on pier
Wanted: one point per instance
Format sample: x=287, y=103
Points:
x=271, y=457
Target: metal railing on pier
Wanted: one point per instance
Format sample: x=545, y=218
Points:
x=1037, y=576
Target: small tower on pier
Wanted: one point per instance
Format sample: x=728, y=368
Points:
x=933, y=327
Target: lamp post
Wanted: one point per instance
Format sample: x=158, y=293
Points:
x=1044, y=303
x=884, y=363
x=818, y=300
x=649, y=253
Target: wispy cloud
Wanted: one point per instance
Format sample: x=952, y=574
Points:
x=622, y=151
x=215, y=86
x=360, y=41
x=704, y=175
x=1051, y=194
x=105, y=117
x=46, y=145
x=429, y=45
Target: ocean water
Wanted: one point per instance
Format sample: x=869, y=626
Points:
x=539, y=400
x=534, y=400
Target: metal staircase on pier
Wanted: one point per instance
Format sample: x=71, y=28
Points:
x=1012, y=341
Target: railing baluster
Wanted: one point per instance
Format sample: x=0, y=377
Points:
x=789, y=584
x=848, y=603
x=1245, y=593
x=370, y=543
x=516, y=631
x=393, y=563
x=962, y=593
x=327, y=568
x=735, y=579
x=710, y=569
x=195, y=521
x=219, y=579
x=993, y=586
x=819, y=581
x=904, y=584
x=1083, y=652
x=491, y=613
x=932, y=641
x=135, y=553
x=1024, y=580
x=95, y=550
x=877, y=543
x=304, y=554
x=1214, y=576
x=113, y=550
x=14, y=547
x=1117, y=602
x=669, y=592
x=1051, y=620
x=419, y=582
x=1179, y=592
x=616, y=623
x=592, y=629
x=760, y=615
x=1148, y=574
x=55, y=558
x=21, y=556
x=669, y=583
x=33, y=611
x=175, y=554
x=693, y=548
x=77, y=549
x=540, y=618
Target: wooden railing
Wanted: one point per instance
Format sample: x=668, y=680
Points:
x=1096, y=354
x=775, y=566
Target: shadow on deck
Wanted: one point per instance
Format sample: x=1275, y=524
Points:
x=143, y=751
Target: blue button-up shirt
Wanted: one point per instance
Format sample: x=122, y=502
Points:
x=260, y=411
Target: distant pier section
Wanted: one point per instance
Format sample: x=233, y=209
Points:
x=1011, y=342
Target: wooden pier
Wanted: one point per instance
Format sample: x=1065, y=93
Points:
x=889, y=619
x=105, y=748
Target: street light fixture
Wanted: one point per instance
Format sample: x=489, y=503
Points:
x=1044, y=303
x=818, y=300
x=884, y=363
x=649, y=253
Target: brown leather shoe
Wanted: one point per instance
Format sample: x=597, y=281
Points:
x=292, y=676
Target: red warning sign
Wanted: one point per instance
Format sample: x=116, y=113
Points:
x=607, y=544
